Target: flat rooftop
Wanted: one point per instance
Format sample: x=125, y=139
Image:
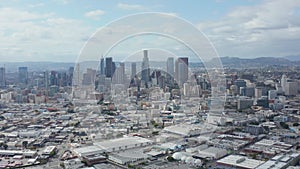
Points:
x=240, y=161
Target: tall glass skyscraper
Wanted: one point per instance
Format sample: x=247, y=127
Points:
x=145, y=68
x=23, y=75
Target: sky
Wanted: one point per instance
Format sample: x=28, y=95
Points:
x=58, y=30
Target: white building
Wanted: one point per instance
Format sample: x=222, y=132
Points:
x=123, y=143
x=291, y=88
x=237, y=161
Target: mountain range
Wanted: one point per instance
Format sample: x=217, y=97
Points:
x=233, y=62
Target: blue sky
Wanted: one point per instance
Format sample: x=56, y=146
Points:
x=56, y=30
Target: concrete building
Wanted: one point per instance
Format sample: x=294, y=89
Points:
x=247, y=91
x=244, y=103
x=291, y=88
x=109, y=67
x=23, y=75
x=119, y=75
x=283, y=82
x=182, y=70
x=2, y=77
x=258, y=92
x=170, y=66
x=272, y=94
x=123, y=143
x=238, y=161
x=212, y=152
x=145, y=68
x=133, y=69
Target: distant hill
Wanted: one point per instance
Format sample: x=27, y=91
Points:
x=233, y=62
x=293, y=58
x=36, y=66
x=236, y=62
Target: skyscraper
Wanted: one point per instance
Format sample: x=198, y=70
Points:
x=119, y=75
x=283, y=82
x=291, y=88
x=2, y=77
x=109, y=67
x=102, y=67
x=77, y=75
x=182, y=70
x=23, y=75
x=145, y=68
x=70, y=76
x=133, y=69
x=46, y=78
x=170, y=66
x=53, y=78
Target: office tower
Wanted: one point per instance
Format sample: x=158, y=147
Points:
x=119, y=75
x=181, y=70
x=2, y=77
x=89, y=77
x=170, y=66
x=46, y=79
x=272, y=94
x=76, y=76
x=70, y=76
x=109, y=67
x=239, y=83
x=102, y=66
x=23, y=75
x=244, y=103
x=133, y=69
x=145, y=68
x=247, y=91
x=291, y=88
x=53, y=78
x=258, y=92
x=283, y=82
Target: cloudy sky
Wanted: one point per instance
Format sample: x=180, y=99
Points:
x=57, y=30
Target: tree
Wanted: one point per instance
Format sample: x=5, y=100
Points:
x=5, y=146
x=284, y=125
x=170, y=159
x=24, y=144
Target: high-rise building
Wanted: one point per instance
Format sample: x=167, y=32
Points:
x=46, y=79
x=102, y=66
x=283, y=82
x=77, y=75
x=53, y=78
x=89, y=77
x=70, y=76
x=272, y=94
x=170, y=66
x=119, y=75
x=145, y=68
x=2, y=77
x=133, y=69
x=182, y=70
x=109, y=67
x=23, y=75
x=247, y=91
x=291, y=88
x=240, y=83
x=258, y=92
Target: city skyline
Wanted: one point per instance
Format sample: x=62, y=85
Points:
x=245, y=29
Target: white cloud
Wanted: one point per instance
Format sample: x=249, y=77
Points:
x=35, y=36
x=267, y=29
x=94, y=14
x=36, y=5
x=130, y=6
